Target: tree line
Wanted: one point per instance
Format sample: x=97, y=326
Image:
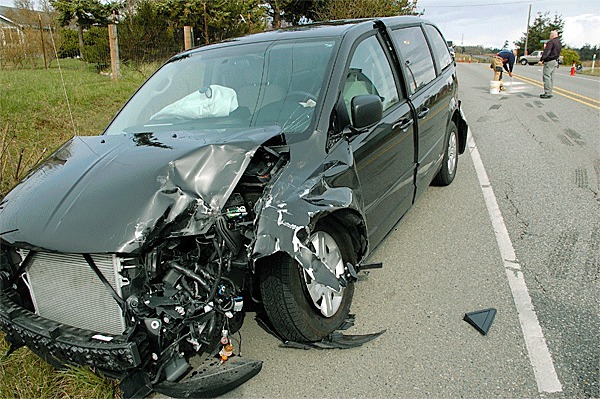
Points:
x=539, y=33
x=158, y=24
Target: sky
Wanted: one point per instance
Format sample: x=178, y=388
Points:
x=492, y=22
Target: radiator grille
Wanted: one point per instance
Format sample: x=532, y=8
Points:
x=65, y=289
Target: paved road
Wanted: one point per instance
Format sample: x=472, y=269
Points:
x=443, y=259
x=543, y=159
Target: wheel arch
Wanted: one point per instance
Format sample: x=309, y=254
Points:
x=354, y=225
x=463, y=129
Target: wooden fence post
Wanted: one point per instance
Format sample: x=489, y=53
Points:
x=205, y=26
x=188, y=37
x=114, y=51
x=43, y=46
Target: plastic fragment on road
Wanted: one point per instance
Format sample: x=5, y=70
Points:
x=335, y=340
x=212, y=378
x=481, y=319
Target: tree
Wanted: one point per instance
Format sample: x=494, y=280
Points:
x=144, y=24
x=295, y=11
x=570, y=56
x=538, y=31
x=84, y=13
x=215, y=19
x=347, y=9
x=587, y=52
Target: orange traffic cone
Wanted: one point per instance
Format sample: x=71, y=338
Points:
x=573, y=70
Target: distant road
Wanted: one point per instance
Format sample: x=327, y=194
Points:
x=583, y=88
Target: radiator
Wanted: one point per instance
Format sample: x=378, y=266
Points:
x=65, y=289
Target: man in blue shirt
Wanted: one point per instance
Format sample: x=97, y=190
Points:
x=503, y=60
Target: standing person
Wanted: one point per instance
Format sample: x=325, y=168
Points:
x=504, y=59
x=550, y=61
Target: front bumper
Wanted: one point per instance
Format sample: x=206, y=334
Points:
x=62, y=344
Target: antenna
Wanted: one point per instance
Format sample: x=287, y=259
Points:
x=63, y=82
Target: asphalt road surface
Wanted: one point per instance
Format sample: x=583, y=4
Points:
x=518, y=230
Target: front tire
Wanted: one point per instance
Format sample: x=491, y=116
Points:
x=524, y=62
x=299, y=308
x=447, y=172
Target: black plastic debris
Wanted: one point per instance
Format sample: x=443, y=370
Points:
x=136, y=385
x=481, y=319
x=335, y=340
x=212, y=378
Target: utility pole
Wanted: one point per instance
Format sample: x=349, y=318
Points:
x=527, y=31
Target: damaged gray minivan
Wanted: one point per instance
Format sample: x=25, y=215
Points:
x=255, y=174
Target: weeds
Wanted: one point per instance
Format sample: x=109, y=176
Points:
x=24, y=375
x=35, y=117
x=34, y=121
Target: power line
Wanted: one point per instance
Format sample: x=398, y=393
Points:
x=481, y=5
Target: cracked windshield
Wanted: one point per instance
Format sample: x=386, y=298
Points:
x=264, y=84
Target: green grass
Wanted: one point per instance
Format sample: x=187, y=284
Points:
x=35, y=117
x=24, y=375
x=589, y=72
x=34, y=121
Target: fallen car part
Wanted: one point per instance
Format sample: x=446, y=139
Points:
x=211, y=378
x=481, y=319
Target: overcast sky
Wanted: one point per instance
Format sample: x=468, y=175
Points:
x=491, y=22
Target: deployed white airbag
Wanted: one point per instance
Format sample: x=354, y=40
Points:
x=216, y=101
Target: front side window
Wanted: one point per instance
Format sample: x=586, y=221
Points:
x=370, y=73
x=416, y=55
x=258, y=84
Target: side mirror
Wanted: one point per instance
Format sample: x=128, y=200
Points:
x=366, y=110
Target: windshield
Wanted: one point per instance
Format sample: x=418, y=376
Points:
x=260, y=84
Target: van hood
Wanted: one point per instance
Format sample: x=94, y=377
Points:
x=107, y=194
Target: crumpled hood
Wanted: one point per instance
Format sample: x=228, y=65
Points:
x=113, y=193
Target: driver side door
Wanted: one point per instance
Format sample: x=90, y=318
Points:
x=384, y=153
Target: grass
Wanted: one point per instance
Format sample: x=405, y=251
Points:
x=596, y=72
x=588, y=64
x=34, y=121
x=35, y=117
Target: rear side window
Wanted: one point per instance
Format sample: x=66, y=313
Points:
x=417, y=58
x=441, y=53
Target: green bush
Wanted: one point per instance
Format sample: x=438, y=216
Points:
x=68, y=44
x=95, y=46
x=570, y=56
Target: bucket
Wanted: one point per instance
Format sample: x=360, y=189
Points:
x=494, y=87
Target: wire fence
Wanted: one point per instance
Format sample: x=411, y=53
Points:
x=29, y=47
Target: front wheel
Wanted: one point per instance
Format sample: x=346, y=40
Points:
x=450, y=162
x=300, y=308
x=524, y=62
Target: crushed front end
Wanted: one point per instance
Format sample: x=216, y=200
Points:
x=149, y=317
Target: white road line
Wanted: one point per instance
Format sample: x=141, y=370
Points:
x=537, y=349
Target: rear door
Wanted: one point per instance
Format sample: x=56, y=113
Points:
x=430, y=94
x=384, y=154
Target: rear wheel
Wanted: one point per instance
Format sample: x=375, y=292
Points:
x=450, y=162
x=300, y=308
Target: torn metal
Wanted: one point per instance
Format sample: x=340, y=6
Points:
x=189, y=217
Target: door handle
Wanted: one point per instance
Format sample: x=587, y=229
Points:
x=422, y=113
x=402, y=124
